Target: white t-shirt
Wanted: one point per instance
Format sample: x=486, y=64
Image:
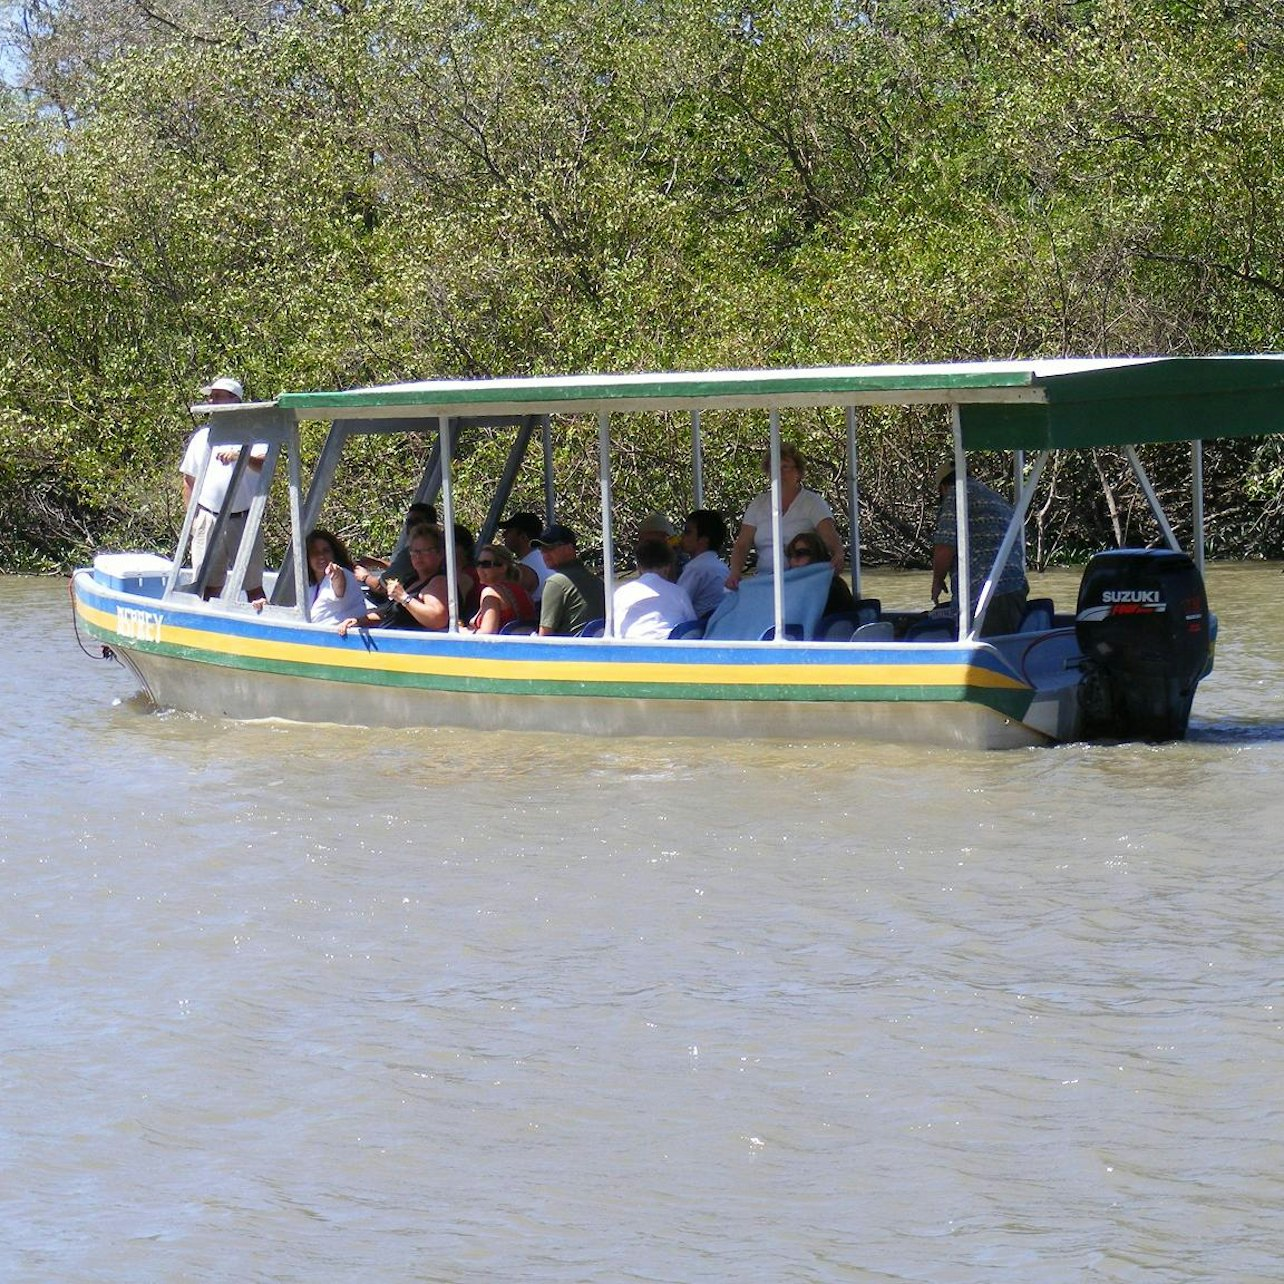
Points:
x=804, y=514
x=649, y=607
x=705, y=579
x=219, y=476
x=325, y=608
x=535, y=560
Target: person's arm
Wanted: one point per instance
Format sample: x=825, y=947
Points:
x=428, y=609
x=550, y=606
x=230, y=454
x=942, y=561
x=739, y=553
x=489, y=612
x=338, y=581
x=188, y=482
x=367, y=621
x=828, y=533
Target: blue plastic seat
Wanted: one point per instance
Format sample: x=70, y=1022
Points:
x=933, y=628
x=837, y=627
x=687, y=629
x=1039, y=615
x=520, y=627
x=875, y=631
x=793, y=633
x=867, y=609
x=593, y=629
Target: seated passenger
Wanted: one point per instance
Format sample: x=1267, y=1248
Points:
x=371, y=572
x=572, y=595
x=518, y=532
x=335, y=593
x=705, y=576
x=808, y=548
x=652, y=605
x=503, y=600
x=424, y=603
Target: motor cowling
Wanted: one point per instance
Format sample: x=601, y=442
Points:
x=1144, y=628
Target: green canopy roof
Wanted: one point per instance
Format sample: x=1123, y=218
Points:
x=1003, y=405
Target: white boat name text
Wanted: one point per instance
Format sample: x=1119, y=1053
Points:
x=142, y=626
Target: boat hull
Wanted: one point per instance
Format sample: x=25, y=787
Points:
x=212, y=660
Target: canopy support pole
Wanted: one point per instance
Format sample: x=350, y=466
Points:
x=608, y=540
x=853, y=499
x=1143, y=480
x=448, y=524
x=550, y=493
x=778, y=554
x=697, y=462
x=963, y=549
x=1197, y=501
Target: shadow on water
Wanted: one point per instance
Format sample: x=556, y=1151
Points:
x=1237, y=732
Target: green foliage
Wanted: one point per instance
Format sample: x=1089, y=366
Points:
x=413, y=188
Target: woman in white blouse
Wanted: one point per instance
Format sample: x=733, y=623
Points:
x=800, y=510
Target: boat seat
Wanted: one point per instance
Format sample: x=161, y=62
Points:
x=839, y=626
x=687, y=629
x=593, y=629
x=933, y=628
x=520, y=628
x=867, y=609
x=1039, y=615
x=875, y=631
x=793, y=633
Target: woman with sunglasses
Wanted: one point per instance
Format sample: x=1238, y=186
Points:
x=503, y=599
x=807, y=549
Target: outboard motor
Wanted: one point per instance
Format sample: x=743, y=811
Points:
x=1143, y=626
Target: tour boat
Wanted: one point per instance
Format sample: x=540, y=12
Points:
x=1122, y=662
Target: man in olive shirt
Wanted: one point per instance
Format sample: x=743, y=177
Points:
x=572, y=594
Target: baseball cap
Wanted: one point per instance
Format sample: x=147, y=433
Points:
x=225, y=384
x=528, y=523
x=555, y=534
x=944, y=472
x=658, y=524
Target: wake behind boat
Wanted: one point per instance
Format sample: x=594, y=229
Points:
x=1124, y=664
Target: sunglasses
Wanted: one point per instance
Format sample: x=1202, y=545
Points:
x=487, y=564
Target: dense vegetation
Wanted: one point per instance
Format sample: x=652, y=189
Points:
x=317, y=194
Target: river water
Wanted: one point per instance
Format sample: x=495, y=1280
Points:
x=306, y=1003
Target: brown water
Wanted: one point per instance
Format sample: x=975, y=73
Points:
x=301, y=1003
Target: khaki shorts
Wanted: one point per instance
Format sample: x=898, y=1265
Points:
x=225, y=551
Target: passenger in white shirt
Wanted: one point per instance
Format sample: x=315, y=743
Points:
x=214, y=488
x=517, y=532
x=651, y=605
x=705, y=575
x=800, y=510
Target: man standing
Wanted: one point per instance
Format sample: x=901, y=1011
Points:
x=519, y=532
x=704, y=577
x=218, y=477
x=988, y=517
x=651, y=605
x=572, y=595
